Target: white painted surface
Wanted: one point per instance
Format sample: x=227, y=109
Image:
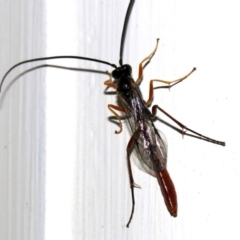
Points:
x=79, y=188
x=22, y=122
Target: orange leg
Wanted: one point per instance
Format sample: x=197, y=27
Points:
x=140, y=71
x=169, y=83
x=111, y=107
x=109, y=82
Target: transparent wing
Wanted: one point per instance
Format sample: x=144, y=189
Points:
x=150, y=144
x=150, y=147
x=154, y=158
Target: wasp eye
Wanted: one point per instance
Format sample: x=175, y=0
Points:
x=128, y=69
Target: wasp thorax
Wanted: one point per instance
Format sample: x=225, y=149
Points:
x=124, y=86
x=124, y=70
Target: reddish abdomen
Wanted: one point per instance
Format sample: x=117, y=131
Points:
x=168, y=191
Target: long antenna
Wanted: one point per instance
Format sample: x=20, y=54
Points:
x=126, y=20
x=50, y=58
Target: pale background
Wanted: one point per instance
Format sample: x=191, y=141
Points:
x=63, y=172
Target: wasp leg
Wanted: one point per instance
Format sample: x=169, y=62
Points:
x=169, y=83
x=184, y=128
x=140, y=70
x=111, y=107
x=109, y=82
x=133, y=185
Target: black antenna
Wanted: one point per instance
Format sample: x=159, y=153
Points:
x=126, y=20
x=50, y=58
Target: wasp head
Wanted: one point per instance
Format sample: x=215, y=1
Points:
x=122, y=71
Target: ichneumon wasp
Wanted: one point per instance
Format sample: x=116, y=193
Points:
x=149, y=143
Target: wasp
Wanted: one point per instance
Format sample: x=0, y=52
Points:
x=147, y=140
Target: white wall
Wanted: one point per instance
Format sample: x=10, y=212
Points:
x=22, y=122
x=63, y=170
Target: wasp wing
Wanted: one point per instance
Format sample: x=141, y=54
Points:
x=151, y=151
x=150, y=144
